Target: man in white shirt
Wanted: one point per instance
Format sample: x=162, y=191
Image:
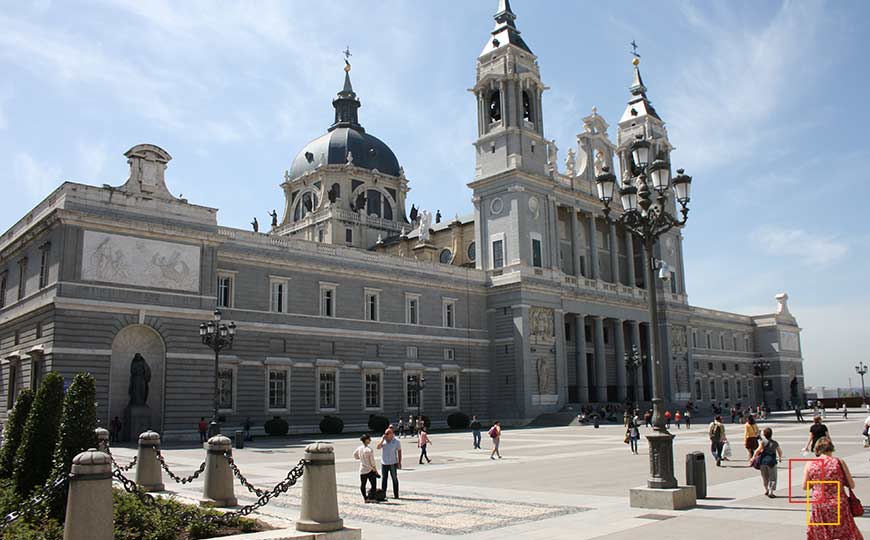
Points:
x=391, y=460
x=368, y=469
x=866, y=433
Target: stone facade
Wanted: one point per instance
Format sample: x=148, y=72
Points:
x=527, y=305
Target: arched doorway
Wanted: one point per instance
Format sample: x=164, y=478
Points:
x=149, y=367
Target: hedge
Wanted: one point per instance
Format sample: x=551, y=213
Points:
x=14, y=431
x=276, y=426
x=378, y=423
x=76, y=432
x=331, y=425
x=33, y=459
x=458, y=420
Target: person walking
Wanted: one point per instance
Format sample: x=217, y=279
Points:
x=247, y=427
x=769, y=454
x=411, y=426
x=798, y=414
x=391, y=460
x=845, y=412
x=733, y=415
x=688, y=418
x=829, y=501
x=368, y=468
x=646, y=418
x=495, y=435
x=422, y=443
x=678, y=418
x=716, y=432
x=817, y=431
x=115, y=430
x=203, y=430
x=633, y=432
x=667, y=419
x=750, y=435
x=475, y=432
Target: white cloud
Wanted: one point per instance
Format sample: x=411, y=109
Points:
x=807, y=247
x=92, y=158
x=38, y=179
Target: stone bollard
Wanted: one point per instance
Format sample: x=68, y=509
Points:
x=149, y=475
x=319, y=496
x=102, y=435
x=218, y=489
x=89, y=503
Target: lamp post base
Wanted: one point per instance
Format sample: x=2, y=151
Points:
x=678, y=498
x=661, y=460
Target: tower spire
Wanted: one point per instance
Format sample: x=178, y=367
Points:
x=505, y=31
x=639, y=104
x=346, y=104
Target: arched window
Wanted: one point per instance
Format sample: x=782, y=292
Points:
x=307, y=203
x=378, y=204
x=494, y=106
x=527, y=107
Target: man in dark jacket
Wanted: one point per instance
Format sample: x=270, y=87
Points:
x=475, y=431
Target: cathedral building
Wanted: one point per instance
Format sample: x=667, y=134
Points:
x=350, y=301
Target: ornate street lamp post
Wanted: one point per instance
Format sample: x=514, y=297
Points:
x=633, y=361
x=217, y=336
x=644, y=201
x=861, y=369
x=760, y=367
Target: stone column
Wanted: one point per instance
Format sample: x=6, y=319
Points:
x=580, y=358
x=629, y=257
x=218, y=488
x=619, y=350
x=555, y=243
x=102, y=435
x=319, y=511
x=638, y=373
x=575, y=243
x=593, y=248
x=89, y=503
x=149, y=475
x=614, y=255
x=600, y=359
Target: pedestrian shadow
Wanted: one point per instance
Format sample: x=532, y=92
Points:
x=758, y=508
x=718, y=499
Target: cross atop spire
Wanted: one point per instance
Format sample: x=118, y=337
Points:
x=634, y=49
x=346, y=53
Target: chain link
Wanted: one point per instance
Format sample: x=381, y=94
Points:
x=48, y=491
x=126, y=467
x=238, y=474
x=174, y=476
x=293, y=475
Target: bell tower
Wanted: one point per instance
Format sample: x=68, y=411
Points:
x=510, y=133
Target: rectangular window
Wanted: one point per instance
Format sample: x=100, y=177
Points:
x=746, y=343
x=674, y=282
x=411, y=352
x=327, y=389
x=327, y=300
x=224, y=291
x=736, y=367
x=373, y=389
x=710, y=366
x=734, y=342
x=698, y=390
x=12, y=389
x=43, y=265
x=712, y=389
x=695, y=338
x=320, y=235
x=22, y=278
x=277, y=388
x=348, y=235
x=709, y=341
x=412, y=399
x=536, y=253
x=3, y=278
x=279, y=295
x=372, y=304
x=727, y=391
x=412, y=308
x=225, y=389
x=498, y=254
x=451, y=387
x=739, y=389
x=35, y=372
x=724, y=367
x=449, y=355
x=449, y=313
x=722, y=341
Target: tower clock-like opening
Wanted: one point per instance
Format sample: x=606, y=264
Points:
x=495, y=106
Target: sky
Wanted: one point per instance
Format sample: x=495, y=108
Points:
x=764, y=101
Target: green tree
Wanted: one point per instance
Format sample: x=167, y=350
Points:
x=14, y=431
x=76, y=434
x=33, y=460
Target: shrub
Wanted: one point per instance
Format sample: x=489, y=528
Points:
x=378, y=423
x=331, y=425
x=14, y=431
x=276, y=426
x=76, y=434
x=33, y=459
x=458, y=420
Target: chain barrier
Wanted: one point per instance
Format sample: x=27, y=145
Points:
x=124, y=468
x=293, y=475
x=174, y=476
x=238, y=474
x=48, y=491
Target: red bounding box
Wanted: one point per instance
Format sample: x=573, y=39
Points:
x=803, y=498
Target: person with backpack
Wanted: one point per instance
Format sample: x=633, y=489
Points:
x=422, y=442
x=368, y=469
x=475, y=432
x=765, y=458
x=495, y=435
x=716, y=432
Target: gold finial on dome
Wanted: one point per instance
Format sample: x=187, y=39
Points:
x=347, y=55
x=635, y=61
x=346, y=66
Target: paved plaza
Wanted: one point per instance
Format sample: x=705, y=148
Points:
x=563, y=482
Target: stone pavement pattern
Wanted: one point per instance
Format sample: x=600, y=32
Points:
x=553, y=483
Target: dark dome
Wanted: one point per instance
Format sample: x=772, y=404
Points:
x=332, y=147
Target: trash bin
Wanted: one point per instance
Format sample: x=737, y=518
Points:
x=596, y=421
x=240, y=439
x=696, y=473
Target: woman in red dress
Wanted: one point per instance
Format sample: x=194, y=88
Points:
x=823, y=497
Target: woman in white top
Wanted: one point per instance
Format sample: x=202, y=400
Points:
x=368, y=469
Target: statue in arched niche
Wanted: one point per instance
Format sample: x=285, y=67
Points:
x=140, y=377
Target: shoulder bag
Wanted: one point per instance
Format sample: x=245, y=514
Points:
x=855, y=506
